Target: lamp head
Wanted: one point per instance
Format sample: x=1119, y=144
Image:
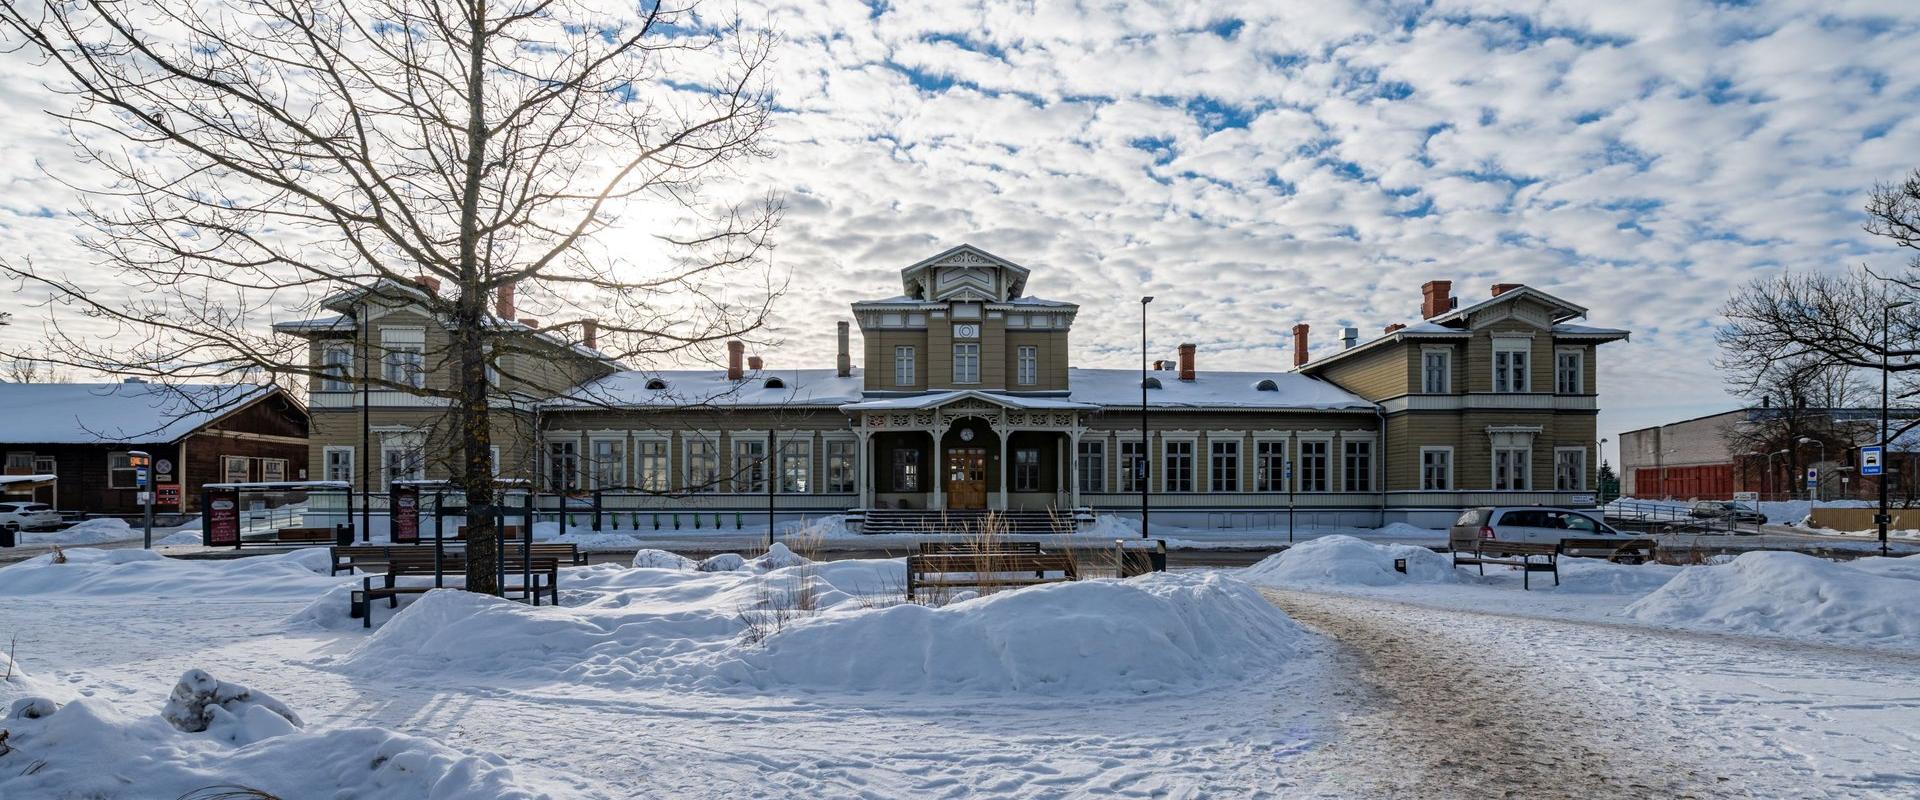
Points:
x=1145, y=300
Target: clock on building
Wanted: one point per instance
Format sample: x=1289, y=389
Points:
x=966, y=434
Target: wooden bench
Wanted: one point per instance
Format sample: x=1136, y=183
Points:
x=506, y=532
x=568, y=553
x=1619, y=551
x=359, y=556
x=987, y=570
x=545, y=579
x=975, y=547
x=363, y=557
x=303, y=535
x=1481, y=552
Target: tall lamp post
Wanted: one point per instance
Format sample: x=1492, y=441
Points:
x=1145, y=467
x=1886, y=323
x=1818, y=477
x=1773, y=475
x=1600, y=456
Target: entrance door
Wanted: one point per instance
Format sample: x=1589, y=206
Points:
x=967, y=477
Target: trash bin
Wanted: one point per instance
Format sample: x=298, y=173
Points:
x=9, y=534
x=343, y=535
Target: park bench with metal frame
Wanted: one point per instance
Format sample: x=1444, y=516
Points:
x=1481, y=552
x=1618, y=551
x=987, y=570
x=543, y=578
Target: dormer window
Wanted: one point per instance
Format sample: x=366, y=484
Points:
x=1266, y=385
x=656, y=384
x=1152, y=383
x=775, y=383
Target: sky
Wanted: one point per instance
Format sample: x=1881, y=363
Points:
x=1258, y=164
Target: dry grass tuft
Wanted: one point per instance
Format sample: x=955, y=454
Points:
x=59, y=555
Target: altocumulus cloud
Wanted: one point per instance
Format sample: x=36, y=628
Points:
x=1255, y=164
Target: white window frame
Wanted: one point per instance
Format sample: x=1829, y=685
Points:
x=1580, y=469
x=402, y=443
x=341, y=379
x=1192, y=483
x=689, y=481
x=613, y=472
x=1268, y=477
x=1579, y=370
x=804, y=443
x=1446, y=369
x=404, y=356
x=1300, y=463
x=327, y=467
x=903, y=365
x=852, y=458
x=652, y=472
x=741, y=479
x=1512, y=375
x=122, y=462
x=570, y=462
x=1093, y=476
x=1373, y=461
x=1027, y=365
x=1124, y=463
x=1234, y=478
x=1523, y=478
x=966, y=353
x=1426, y=485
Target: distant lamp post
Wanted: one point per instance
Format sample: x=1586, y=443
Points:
x=1144, y=468
x=1772, y=476
x=1600, y=456
x=1882, y=519
x=1818, y=473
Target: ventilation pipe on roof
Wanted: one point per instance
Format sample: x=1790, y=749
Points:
x=530, y=322
x=1300, y=344
x=1349, y=337
x=1186, y=362
x=503, y=301
x=754, y=363
x=736, y=350
x=590, y=333
x=843, y=363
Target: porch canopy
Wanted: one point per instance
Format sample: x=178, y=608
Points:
x=935, y=414
x=25, y=484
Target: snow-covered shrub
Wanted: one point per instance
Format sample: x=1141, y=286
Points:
x=661, y=559
x=1347, y=561
x=724, y=562
x=235, y=713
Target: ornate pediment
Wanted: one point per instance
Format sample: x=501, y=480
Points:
x=965, y=273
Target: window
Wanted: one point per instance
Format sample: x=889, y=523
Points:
x=19, y=463
x=840, y=466
x=1314, y=473
x=1027, y=371
x=405, y=362
x=1570, y=469
x=1026, y=470
x=906, y=469
x=1510, y=467
x=966, y=363
x=1179, y=459
x=703, y=465
x=1133, y=466
x=120, y=472
x=403, y=458
x=1270, y=466
x=1266, y=385
x=749, y=465
x=609, y=460
x=336, y=367
x=903, y=366
x=1436, y=469
x=651, y=464
x=1510, y=365
x=1568, y=521
x=1093, y=466
x=235, y=469
x=796, y=466
x=563, y=466
x=1223, y=466
x=1357, y=466
x=336, y=464
x=1566, y=372
x=1436, y=372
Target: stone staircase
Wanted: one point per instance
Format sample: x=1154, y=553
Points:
x=966, y=522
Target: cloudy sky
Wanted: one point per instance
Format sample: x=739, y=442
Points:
x=1259, y=164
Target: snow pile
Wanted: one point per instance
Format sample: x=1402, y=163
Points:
x=777, y=557
x=299, y=574
x=1599, y=576
x=661, y=559
x=724, y=562
x=231, y=712
x=830, y=527
x=1112, y=526
x=838, y=626
x=1793, y=595
x=98, y=530
x=183, y=538
x=1347, y=561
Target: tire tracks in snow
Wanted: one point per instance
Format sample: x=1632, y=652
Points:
x=1432, y=714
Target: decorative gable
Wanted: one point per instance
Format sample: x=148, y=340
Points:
x=964, y=273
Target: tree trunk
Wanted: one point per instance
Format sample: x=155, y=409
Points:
x=476, y=431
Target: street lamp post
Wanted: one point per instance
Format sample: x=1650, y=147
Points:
x=1817, y=480
x=1145, y=465
x=1600, y=459
x=1886, y=323
x=1773, y=475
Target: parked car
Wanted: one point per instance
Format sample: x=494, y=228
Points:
x=1530, y=524
x=1721, y=509
x=29, y=516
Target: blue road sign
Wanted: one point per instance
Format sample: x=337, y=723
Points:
x=1872, y=460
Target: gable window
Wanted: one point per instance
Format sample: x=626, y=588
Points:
x=703, y=465
x=405, y=362
x=1567, y=372
x=650, y=464
x=1511, y=466
x=1223, y=466
x=1269, y=466
x=1093, y=466
x=840, y=469
x=337, y=464
x=966, y=363
x=1133, y=465
x=903, y=366
x=749, y=466
x=1314, y=472
x=1570, y=469
x=1179, y=459
x=1510, y=361
x=336, y=367
x=796, y=466
x=1436, y=372
x=906, y=469
x=1026, y=470
x=1356, y=464
x=1436, y=469
x=1027, y=370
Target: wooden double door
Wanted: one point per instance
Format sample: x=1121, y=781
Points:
x=966, y=477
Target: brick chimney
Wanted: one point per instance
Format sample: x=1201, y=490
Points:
x=590, y=333
x=530, y=322
x=503, y=302
x=1436, y=298
x=754, y=363
x=1186, y=362
x=1300, y=344
x=1396, y=326
x=1503, y=288
x=736, y=349
x=843, y=363
x=428, y=282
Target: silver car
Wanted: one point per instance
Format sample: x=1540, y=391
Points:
x=1529, y=524
x=28, y=516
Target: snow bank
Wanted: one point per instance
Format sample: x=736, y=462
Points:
x=299, y=574
x=838, y=626
x=231, y=712
x=181, y=538
x=98, y=530
x=1793, y=595
x=1599, y=576
x=1112, y=526
x=1347, y=561
x=661, y=559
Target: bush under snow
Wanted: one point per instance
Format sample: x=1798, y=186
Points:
x=1347, y=561
x=661, y=559
x=1789, y=594
x=235, y=713
x=299, y=574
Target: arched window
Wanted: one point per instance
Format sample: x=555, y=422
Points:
x=656, y=384
x=1266, y=385
x=775, y=383
x=1153, y=383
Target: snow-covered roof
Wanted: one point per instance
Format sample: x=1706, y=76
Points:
x=7, y=480
x=1039, y=301
x=1565, y=330
x=89, y=413
x=933, y=399
x=710, y=388
x=1212, y=390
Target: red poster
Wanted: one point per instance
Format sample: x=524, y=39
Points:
x=169, y=495
x=223, y=518
x=406, y=514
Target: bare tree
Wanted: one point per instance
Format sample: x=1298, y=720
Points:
x=1791, y=401
x=261, y=156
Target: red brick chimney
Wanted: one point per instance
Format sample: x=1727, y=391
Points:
x=1186, y=362
x=1300, y=344
x=428, y=282
x=503, y=302
x=530, y=322
x=590, y=333
x=735, y=351
x=1503, y=288
x=754, y=363
x=1395, y=326
x=1436, y=298
x=843, y=362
